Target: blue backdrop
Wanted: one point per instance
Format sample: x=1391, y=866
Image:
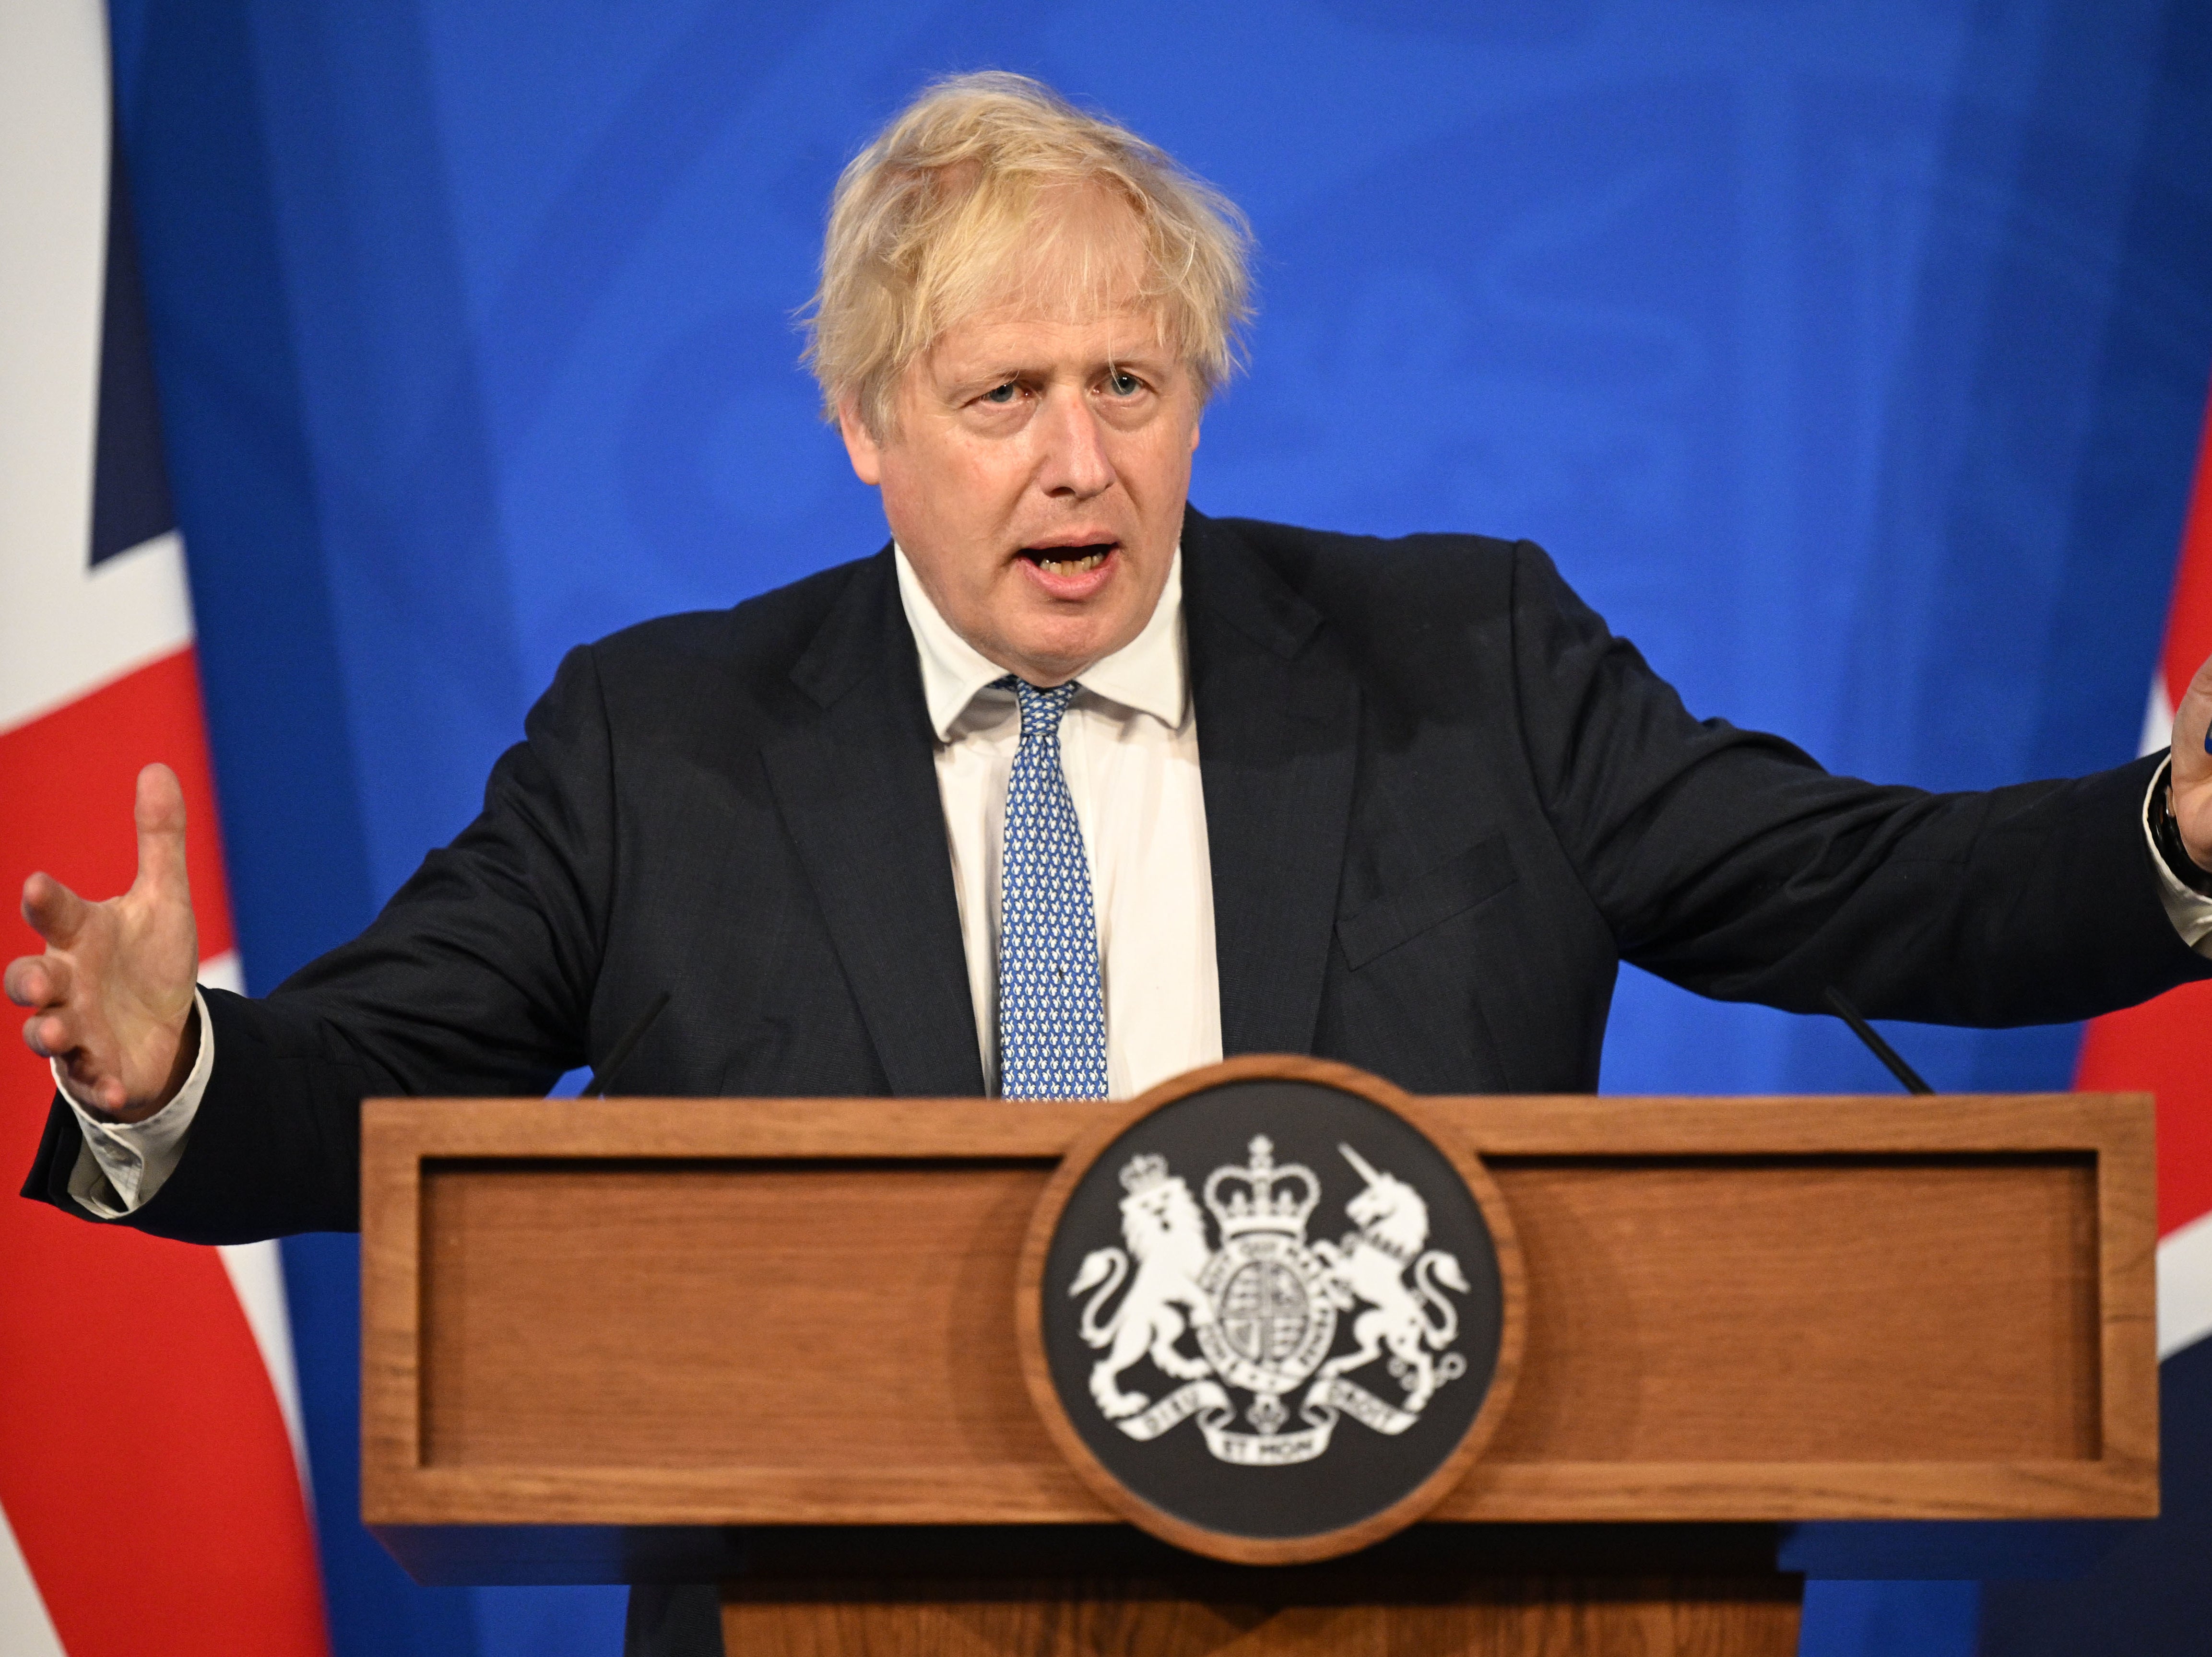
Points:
x=1849, y=356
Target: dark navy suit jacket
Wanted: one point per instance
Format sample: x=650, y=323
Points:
x=1442, y=803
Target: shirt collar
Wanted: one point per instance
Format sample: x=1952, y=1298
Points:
x=1146, y=675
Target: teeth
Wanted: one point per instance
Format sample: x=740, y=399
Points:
x=1084, y=565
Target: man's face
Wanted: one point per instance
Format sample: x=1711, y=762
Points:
x=1036, y=475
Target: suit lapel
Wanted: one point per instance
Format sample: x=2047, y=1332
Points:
x=857, y=788
x=1278, y=737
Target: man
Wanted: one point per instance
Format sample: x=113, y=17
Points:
x=1074, y=788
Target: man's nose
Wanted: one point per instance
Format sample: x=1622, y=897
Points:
x=1075, y=464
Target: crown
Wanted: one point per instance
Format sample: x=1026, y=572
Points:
x=1141, y=1173
x=1246, y=1198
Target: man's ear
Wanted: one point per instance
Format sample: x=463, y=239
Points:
x=860, y=444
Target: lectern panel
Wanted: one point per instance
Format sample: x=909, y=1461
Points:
x=1833, y=1310
x=796, y=1315
x=717, y=1313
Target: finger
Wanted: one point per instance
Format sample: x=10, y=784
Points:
x=50, y=1034
x=2198, y=700
x=55, y=912
x=105, y=1096
x=38, y=980
x=161, y=818
x=2191, y=749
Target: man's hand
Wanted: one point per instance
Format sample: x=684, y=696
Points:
x=2192, y=768
x=112, y=994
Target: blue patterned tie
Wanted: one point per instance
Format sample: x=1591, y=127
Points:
x=1052, y=1013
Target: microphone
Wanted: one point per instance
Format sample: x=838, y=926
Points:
x=1880, y=1049
x=598, y=1085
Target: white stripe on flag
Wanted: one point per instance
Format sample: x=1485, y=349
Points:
x=70, y=628
x=26, y=1629
x=2184, y=1286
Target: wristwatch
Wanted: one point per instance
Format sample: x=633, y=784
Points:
x=2166, y=834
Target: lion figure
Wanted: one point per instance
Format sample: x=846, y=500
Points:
x=1166, y=1237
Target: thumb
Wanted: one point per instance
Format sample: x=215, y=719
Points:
x=2193, y=726
x=161, y=817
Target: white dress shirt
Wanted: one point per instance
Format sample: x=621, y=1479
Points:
x=122, y=1164
x=1129, y=747
x=1128, y=744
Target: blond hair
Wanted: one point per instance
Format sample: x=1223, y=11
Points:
x=926, y=221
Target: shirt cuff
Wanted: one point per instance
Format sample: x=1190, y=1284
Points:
x=2189, y=912
x=121, y=1165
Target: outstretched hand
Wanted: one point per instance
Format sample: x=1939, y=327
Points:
x=112, y=997
x=2192, y=768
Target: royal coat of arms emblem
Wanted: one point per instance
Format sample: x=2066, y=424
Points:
x=1259, y=1309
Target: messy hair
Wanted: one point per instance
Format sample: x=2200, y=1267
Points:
x=928, y=221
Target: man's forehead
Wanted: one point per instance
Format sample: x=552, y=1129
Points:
x=1034, y=329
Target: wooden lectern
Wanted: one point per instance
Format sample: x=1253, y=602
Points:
x=771, y=1342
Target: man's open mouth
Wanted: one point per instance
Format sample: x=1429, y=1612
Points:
x=1068, y=561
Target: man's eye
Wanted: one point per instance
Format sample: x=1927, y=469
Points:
x=1123, y=384
x=1001, y=394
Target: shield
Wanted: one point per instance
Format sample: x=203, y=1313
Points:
x=1273, y=1319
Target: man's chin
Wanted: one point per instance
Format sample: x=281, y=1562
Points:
x=1048, y=640
x=1052, y=655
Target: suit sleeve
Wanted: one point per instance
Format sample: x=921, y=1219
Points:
x=1729, y=863
x=476, y=979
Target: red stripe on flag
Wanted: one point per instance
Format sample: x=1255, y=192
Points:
x=68, y=778
x=145, y=1465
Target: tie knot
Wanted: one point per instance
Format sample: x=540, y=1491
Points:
x=1041, y=709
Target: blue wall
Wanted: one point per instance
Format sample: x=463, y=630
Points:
x=1849, y=356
